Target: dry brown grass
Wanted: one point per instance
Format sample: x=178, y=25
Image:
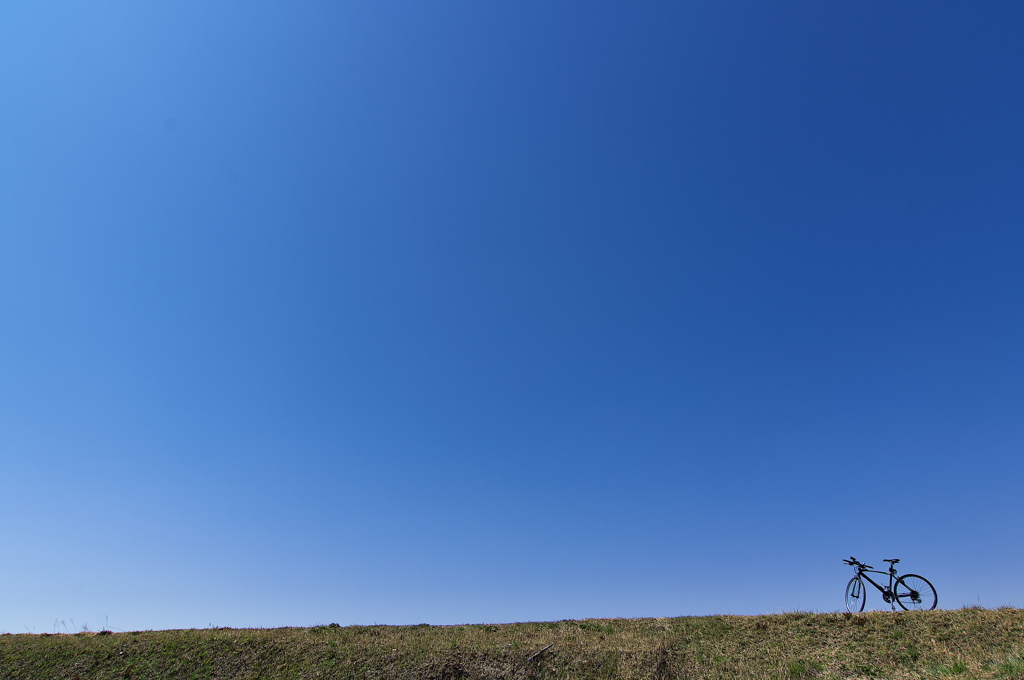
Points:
x=967, y=643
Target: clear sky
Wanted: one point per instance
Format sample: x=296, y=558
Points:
x=461, y=311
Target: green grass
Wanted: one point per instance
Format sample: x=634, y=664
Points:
x=966, y=643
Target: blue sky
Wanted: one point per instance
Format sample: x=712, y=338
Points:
x=466, y=311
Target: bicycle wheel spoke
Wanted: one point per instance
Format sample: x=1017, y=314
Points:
x=855, y=595
x=915, y=592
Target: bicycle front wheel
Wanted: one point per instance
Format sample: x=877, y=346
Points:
x=855, y=595
x=915, y=592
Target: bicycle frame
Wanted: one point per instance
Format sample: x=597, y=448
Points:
x=888, y=594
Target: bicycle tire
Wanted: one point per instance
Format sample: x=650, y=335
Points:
x=856, y=594
x=916, y=592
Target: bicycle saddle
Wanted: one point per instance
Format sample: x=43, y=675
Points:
x=892, y=561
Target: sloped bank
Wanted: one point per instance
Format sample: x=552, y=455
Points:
x=966, y=643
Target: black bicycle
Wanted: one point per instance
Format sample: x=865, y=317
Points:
x=909, y=591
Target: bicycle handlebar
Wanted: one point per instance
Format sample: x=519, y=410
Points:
x=853, y=562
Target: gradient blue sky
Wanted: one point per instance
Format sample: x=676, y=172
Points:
x=466, y=311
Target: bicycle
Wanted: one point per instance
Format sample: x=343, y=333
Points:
x=909, y=591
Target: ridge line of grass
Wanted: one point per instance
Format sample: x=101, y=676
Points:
x=965, y=643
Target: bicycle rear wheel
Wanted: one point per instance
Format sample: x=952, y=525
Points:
x=855, y=595
x=915, y=592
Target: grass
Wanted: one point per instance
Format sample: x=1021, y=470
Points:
x=966, y=643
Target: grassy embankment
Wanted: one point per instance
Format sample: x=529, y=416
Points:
x=966, y=643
